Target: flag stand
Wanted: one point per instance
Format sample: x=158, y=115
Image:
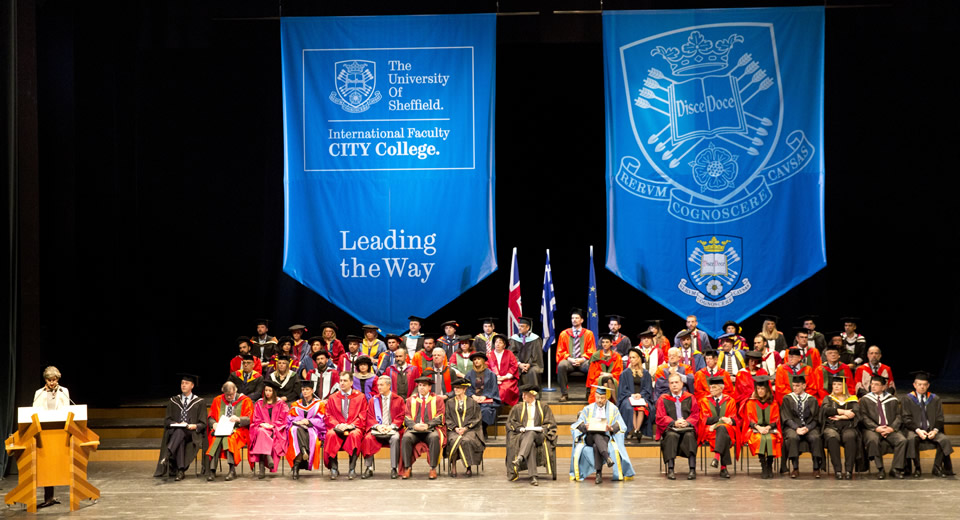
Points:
x=549, y=387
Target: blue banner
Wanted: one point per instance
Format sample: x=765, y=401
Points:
x=388, y=165
x=714, y=155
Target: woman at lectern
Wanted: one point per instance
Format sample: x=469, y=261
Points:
x=51, y=396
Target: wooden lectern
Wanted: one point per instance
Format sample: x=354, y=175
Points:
x=53, y=447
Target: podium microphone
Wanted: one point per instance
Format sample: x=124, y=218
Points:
x=60, y=389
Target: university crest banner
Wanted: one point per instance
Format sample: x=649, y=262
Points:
x=714, y=122
x=389, y=160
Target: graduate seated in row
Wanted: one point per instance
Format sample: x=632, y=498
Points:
x=700, y=386
x=248, y=381
x=923, y=421
x=799, y=419
x=384, y=425
x=605, y=367
x=346, y=420
x=184, y=426
x=460, y=362
x=424, y=429
x=243, y=346
x=672, y=366
x=839, y=414
x=678, y=415
x=831, y=367
x=365, y=379
x=635, y=396
x=287, y=380
x=598, y=441
x=528, y=348
x=718, y=425
x=761, y=425
x=269, y=431
x=307, y=429
x=464, y=429
x=402, y=375
x=231, y=411
x=531, y=436
x=484, y=389
x=503, y=364
x=880, y=423
x=793, y=367
x=324, y=377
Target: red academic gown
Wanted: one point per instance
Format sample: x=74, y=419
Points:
x=370, y=445
x=752, y=411
x=586, y=348
x=410, y=372
x=241, y=435
x=728, y=409
x=598, y=365
x=864, y=373
x=783, y=380
x=663, y=418
x=357, y=416
x=336, y=350
x=432, y=407
x=811, y=358
x=510, y=388
x=825, y=387
x=700, y=387
x=744, y=387
x=237, y=363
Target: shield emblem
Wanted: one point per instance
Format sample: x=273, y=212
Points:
x=356, y=82
x=706, y=105
x=714, y=264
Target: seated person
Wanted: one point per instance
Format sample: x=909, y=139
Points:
x=873, y=367
x=403, y=375
x=287, y=379
x=484, y=340
x=450, y=340
x=838, y=415
x=690, y=355
x=346, y=421
x=677, y=417
x=465, y=439
x=299, y=342
x=372, y=346
x=387, y=358
x=761, y=428
x=345, y=364
x=268, y=430
x=811, y=356
x=652, y=354
x=484, y=389
x=423, y=359
x=460, y=360
x=384, y=425
x=365, y=379
x=743, y=389
x=528, y=347
x=799, y=420
x=700, y=386
x=531, y=425
x=923, y=422
x=243, y=345
x=635, y=385
x=598, y=440
x=284, y=349
x=829, y=368
x=307, y=429
x=248, y=381
x=672, y=366
x=440, y=372
x=575, y=347
x=423, y=424
x=880, y=422
x=729, y=358
x=605, y=367
x=329, y=341
x=325, y=379
x=183, y=428
x=238, y=409
x=412, y=340
x=786, y=371
x=732, y=330
x=770, y=358
x=718, y=424
x=504, y=365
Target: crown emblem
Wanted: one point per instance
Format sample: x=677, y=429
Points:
x=354, y=67
x=699, y=55
x=714, y=245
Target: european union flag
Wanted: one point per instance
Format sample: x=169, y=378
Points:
x=593, y=315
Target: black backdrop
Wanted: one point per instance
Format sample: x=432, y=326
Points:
x=161, y=202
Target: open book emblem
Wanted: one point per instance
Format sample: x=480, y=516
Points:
x=714, y=268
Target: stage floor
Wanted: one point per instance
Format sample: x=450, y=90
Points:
x=128, y=490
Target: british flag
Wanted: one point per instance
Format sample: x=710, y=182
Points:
x=513, y=302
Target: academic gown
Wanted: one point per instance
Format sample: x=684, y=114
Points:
x=743, y=389
x=250, y=386
x=265, y=350
x=387, y=359
x=324, y=383
x=289, y=386
x=626, y=389
x=271, y=367
x=543, y=417
x=762, y=414
x=825, y=386
x=356, y=415
x=581, y=460
x=469, y=446
x=485, y=384
x=811, y=357
x=269, y=441
x=528, y=349
x=196, y=440
x=367, y=387
x=242, y=408
x=709, y=415
x=237, y=363
x=371, y=445
x=599, y=366
x=925, y=417
x=433, y=416
x=316, y=431
x=831, y=428
x=418, y=345
x=661, y=382
x=865, y=372
x=621, y=345
x=483, y=343
x=409, y=374
x=784, y=379
x=461, y=362
x=700, y=387
x=509, y=388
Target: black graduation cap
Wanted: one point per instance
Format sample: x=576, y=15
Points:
x=753, y=354
x=465, y=338
x=525, y=320
x=761, y=380
x=262, y=321
x=241, y=340
x=352, y=338
x=683, y=333
x=489, y=319
x=805, y=317
x=451, y=323
x=643, y=359
x=363, y=360
x=921, y=375
x=646, y=334
x=284, y=339
x=849, y=319
x=832, y=334
x=283, y=357
x=838, y=378
x=392, y=336
x=417, y=319
x=830, y=346
x=367, y=326
x=275, y=385
x=735, y=325
x=189, y=377
x=877, y=377
x=794, y=351
x=576, y=310
x=798, y=330
x=715, y=380
x=600, y=389
x=798, y=378
x=769, y=317
x=304, y=383
x=460, y=382
x=710, y=352
x=474, y=355
x=531, y=388
x=431, y=335
x=615, y=317
x=652, y=323
x=607, y=336
x=246, y=357
x=328, y=325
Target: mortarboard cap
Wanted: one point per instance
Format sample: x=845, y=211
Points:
x=769, y=317
x=272, y=384
x=417, y=319
x=392, y=336
x=600, y=389
x=283, y=357
x=241, y=340
x=525, y=320
x=716, y=381
x=451, y=323
x=353, y=339
x=753, y=354
x=710, y=352
x=189, y=377
x=646, y=334
x=615, y=317
x=849, y=319
x=880, y=379
x=328, y=325
x=806, y=317
x=474, y=355
x=838, y=378
x=530, y=388
x=489, y=319
x=921, y=375
x=608, y=337
x=464, y=338
x=683, y=333
x=576, y=310
x=460, y=382
x=794, y=351
x=830, y=346
x=652, y=323
x=246, y=357
x=798, y=378
x=262, y=321
x=761, y=380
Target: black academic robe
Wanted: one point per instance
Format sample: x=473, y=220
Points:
x=252, y=389
x=470, y=445
x=263, y=351
x=485, y=385
x=530, y=352
x=543, y=417
x=290, y=388
x=790, y=417
x=926, y=417
x=196, y=414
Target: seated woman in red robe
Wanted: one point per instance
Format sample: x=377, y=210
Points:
x=606, y=365
x=504, y=364
x=268, y=430
x=743, y=389
x=761, y=428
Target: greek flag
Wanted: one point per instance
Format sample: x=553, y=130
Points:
x=548, y=306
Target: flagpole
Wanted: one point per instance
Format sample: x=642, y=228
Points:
x=544, y=306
